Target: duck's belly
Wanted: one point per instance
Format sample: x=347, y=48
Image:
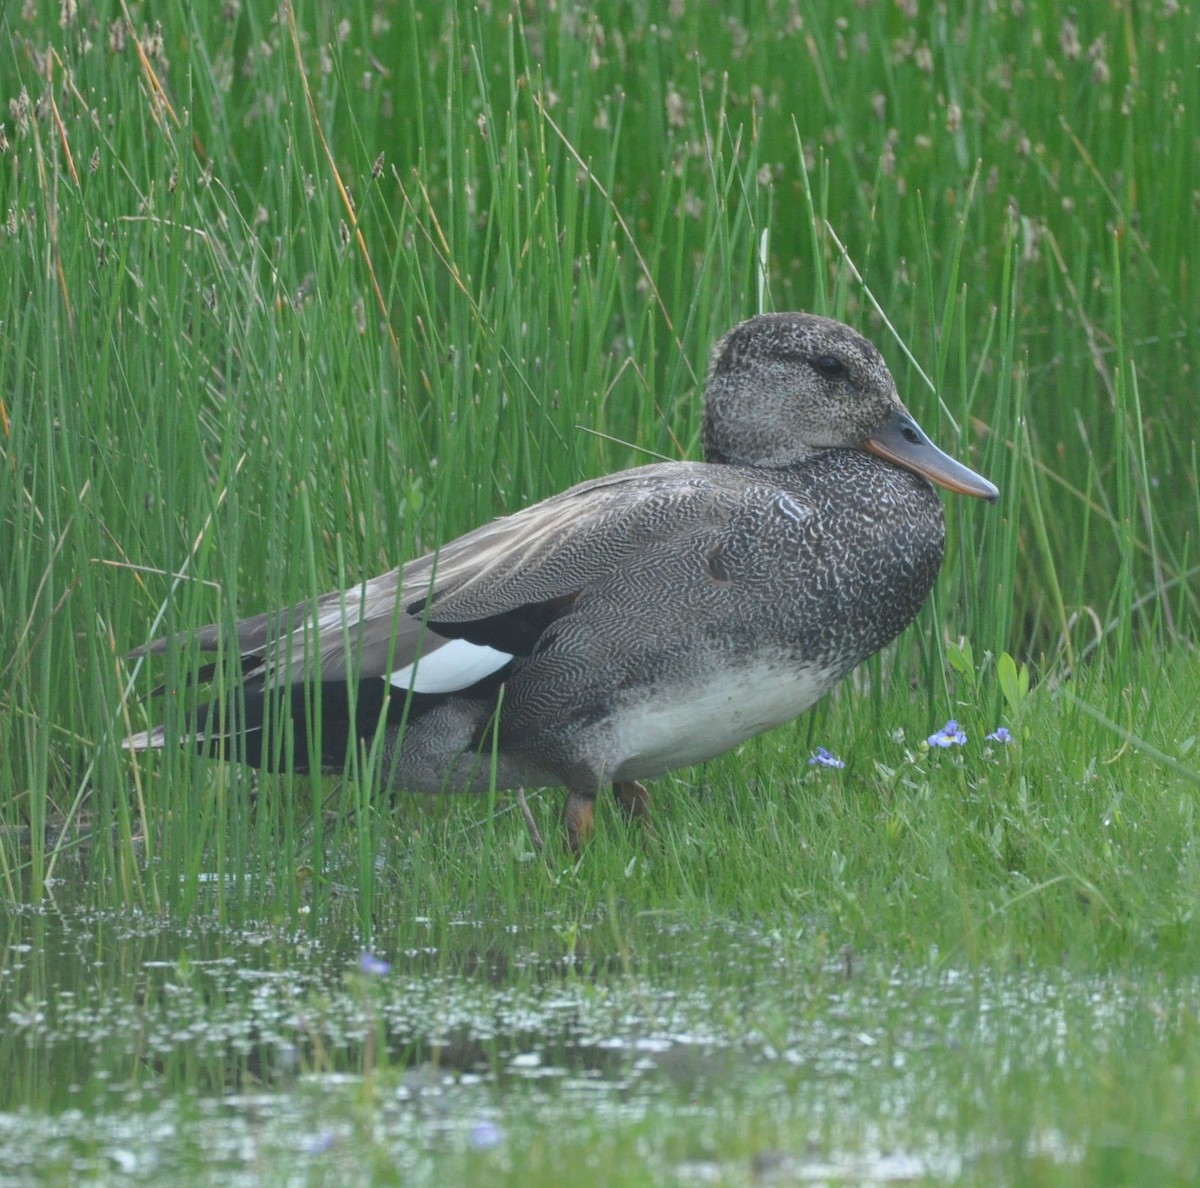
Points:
x=681, y=725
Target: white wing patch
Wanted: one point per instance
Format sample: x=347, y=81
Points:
x=455, y=665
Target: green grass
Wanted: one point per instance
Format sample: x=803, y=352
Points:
x=227, y=385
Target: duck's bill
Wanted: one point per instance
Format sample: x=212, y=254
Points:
x=903, y=442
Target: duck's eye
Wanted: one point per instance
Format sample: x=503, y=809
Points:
x=830, y=367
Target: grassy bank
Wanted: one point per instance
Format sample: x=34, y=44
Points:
x=292, y=299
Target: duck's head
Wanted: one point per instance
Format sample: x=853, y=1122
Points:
x=782, y=387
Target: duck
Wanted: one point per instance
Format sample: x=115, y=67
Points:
x=631, y=625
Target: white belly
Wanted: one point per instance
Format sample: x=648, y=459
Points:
x=681, y=726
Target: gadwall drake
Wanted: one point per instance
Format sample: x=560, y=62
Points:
x=632, y=624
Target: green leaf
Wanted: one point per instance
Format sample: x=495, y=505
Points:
x=1014, y=681
x=962, y=660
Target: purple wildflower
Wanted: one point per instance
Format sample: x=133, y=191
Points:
x=824, y=759
x=1000, y=735
x=485, y=1136
x=373, y=966
x=948, y=736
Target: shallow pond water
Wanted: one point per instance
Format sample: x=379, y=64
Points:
x=713, y=1052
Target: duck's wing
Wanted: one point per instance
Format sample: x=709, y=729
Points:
x=553, y=549
x=454, y=617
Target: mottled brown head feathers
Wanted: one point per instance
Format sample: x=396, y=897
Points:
x=783, y=385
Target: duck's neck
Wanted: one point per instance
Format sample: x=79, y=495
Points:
x=758, y=453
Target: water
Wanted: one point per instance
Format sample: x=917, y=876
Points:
x=715, y=1052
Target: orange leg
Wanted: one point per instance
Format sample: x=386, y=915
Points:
x=635, y=803
x=579, y=813
x=579, y=817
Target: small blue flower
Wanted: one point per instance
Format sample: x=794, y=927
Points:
x=1000, y=735
x=373, y=966
x=824, y=759
x=948, y=736
x=319, y=1143
x=485, y=1136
